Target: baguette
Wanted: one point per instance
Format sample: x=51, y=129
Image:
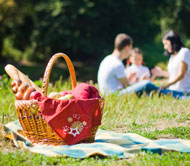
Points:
x=15, y=74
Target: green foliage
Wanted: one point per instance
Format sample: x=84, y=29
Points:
x=9, y=51
x=153, y=55
x=174, y=15
x=34, y=30
x=83, y=29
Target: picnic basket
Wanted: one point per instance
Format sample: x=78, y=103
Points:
x=34, y=125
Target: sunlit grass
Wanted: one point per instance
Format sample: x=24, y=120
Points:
x=152, y=117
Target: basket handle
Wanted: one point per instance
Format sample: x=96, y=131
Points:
x=49, y=68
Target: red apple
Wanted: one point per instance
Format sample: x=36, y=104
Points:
x=35, y=95
x=63, y=93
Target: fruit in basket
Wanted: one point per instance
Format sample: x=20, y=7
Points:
x=35, y=95
x=66, y=97
x=85, y=91
x=54, y=95
x=63, y=93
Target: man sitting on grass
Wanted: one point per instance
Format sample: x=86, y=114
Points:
x=111, y=73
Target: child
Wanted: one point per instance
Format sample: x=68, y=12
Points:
x=137, y=72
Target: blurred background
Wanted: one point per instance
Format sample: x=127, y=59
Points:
x=31, y=31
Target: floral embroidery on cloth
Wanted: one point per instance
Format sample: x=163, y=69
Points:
x=73, y=119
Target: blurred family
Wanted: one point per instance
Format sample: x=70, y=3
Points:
x=137, y=69
x=113, y=77
x=111, y=74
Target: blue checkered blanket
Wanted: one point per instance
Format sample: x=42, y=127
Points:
x=106, y=143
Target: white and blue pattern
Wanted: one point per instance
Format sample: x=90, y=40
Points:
x=106, y=144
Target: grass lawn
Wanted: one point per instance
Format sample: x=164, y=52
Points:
x=151, y=117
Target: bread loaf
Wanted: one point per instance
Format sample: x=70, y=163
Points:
x=19, y=96
x=27, y=93
x=14, y=89
x=15, y=74
x=16, y=83
x=22, y=90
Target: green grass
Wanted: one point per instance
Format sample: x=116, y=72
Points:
x=151, y=117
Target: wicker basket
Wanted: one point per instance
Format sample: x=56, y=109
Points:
x=35, y=127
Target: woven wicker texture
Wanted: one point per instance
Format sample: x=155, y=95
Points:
x=35, y=127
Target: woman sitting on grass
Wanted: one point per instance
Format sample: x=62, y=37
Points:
x=178, y=67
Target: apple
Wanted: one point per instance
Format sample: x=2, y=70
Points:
x=54, y=95
x=66, y=97
x=35, y=95
x=63, y=93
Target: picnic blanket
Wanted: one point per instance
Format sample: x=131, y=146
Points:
x=106, y=143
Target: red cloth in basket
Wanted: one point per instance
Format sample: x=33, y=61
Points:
x=72, y=119
x=85, y=91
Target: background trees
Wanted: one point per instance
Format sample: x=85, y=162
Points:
x=35, y=29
